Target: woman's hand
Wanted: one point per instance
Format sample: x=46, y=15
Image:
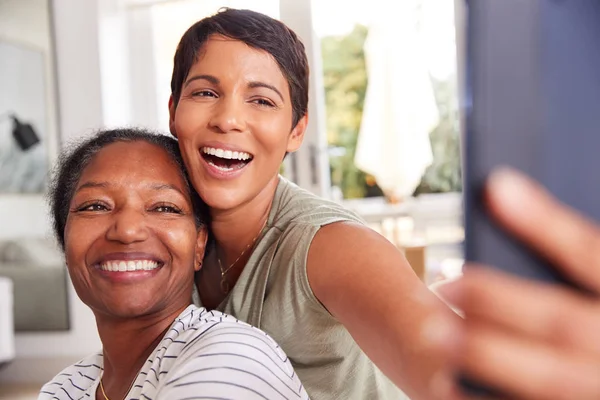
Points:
x=528, y=339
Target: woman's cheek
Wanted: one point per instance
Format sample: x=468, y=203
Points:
x=180, y=236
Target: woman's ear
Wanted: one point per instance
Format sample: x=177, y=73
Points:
x=201, y=241
x=172, y=116
x=297, y=134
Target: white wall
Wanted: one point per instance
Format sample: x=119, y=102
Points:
x=310, y=164
x=42, y=355
x=128, y=67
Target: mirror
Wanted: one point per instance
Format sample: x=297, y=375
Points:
x=27, y=101
x=28, y=145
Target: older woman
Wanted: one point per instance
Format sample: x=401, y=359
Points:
x=133, y=233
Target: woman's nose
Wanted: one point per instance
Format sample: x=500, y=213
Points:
x=129, y=226
x=228, y=116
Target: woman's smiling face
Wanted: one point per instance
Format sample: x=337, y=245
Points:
x=234, y=122
x=131, y=241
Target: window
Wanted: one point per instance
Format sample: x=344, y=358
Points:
x=415, y=39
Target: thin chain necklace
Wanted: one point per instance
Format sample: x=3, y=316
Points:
x=126, y=393
x=224, y=283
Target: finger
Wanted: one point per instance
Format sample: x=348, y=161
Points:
x=525, y=369
x=542, y=312
x=565, y=238
x=444, y=387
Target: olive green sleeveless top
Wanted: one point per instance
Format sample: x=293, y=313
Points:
x=273, y=294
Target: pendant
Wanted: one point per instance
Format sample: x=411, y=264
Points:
x=224, y=285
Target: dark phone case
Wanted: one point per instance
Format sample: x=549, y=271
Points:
x=533, y=103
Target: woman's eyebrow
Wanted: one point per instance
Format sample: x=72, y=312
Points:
x=152, y=186
x=258, y=84
x=212, y=79
x=92, y=184
x=165, y=186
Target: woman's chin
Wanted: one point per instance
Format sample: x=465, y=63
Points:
x=127, y=309
x=223, y=199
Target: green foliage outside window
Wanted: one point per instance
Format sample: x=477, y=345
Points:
x=345, y=81
x=444, y=174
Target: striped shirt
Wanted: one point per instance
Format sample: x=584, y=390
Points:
x=205, y=355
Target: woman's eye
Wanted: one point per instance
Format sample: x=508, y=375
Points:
x=203, y=93
x=94, y=207
x=263, y=102
x=167, y=209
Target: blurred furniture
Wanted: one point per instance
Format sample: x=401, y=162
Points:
x=39, y=276
x=428, y=228
x=415, y=255
x=7, y=340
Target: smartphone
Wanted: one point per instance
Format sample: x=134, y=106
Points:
x=532, y=102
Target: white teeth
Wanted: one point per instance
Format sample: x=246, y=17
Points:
x=130, y=265
x=224, y=169
x=227, y=154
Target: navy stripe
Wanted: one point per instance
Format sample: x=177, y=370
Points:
x=233, y=355
x=238, y=370
x=85, y=376
x=252, y=347
x=63, y=389
x=196, y=338
x=155, y=374
x=72, y=383
x=264, y=339
x=225, y=383
x=87, y=365
x=206, y=398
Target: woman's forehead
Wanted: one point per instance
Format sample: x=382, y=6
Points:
x=229, y=58
x=131, y=161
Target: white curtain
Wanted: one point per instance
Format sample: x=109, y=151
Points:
x=400, y=109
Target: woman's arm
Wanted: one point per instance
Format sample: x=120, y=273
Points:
x=366, y=283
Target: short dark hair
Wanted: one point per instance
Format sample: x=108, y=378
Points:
x=73, y=161
x=258, y=31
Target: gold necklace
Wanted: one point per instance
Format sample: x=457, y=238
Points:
x=126, y=393
x=224, y=283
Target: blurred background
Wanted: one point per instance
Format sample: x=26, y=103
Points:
x=383, y=137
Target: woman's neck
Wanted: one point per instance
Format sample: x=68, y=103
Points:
x=127, y=343
x=235, y=229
